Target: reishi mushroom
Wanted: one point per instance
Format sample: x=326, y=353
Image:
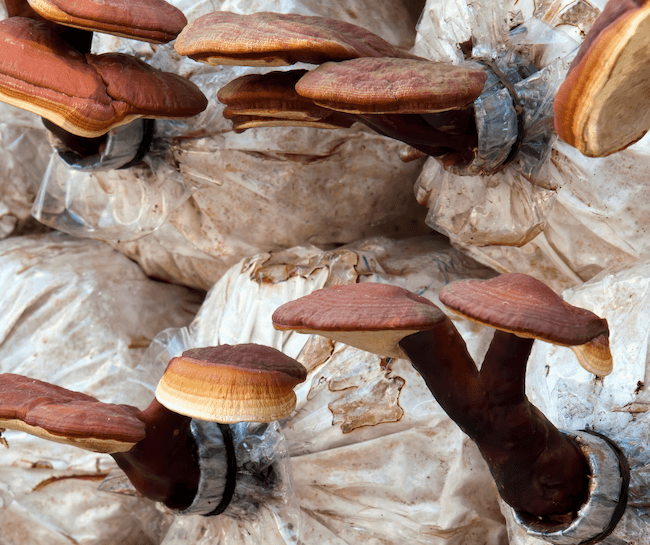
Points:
x=520, y=304
x=154, y=21
x=602, y=105
x=364, y=79
x=229, y=384
x=153, y=447
x=537, y=469
x=86, y=95
x=278, y=39
x=357, y=314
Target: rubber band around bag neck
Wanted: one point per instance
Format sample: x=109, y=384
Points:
x=231, y=472
x=519, y=109
x=625, y=484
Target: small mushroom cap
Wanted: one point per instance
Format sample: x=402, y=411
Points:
x=389, y=85
x=87, y=95
x=277, y=39
x=520, y=304
x=229, y=384
x=64, y=416
x=269, y=95
x=601, y=107
x=153, y=21
x=370, y=316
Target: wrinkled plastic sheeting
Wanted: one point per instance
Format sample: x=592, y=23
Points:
x=616, y=405
x=24, y=152
x=375, y=459
x=78, y=314
x=209, y=197
x=574, y=216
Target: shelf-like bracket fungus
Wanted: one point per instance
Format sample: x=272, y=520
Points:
x=278, y=39
x=361, y=78
x=86, y=95
x=231, y=383
x=602, y=106
x=154, y=21
x=156, y=447
x=520, y=304
x=538, y=469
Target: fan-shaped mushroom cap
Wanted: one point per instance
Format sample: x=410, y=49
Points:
x=229, y=384
x=523, y=305
x=388, y=85
x=64, y=416
x=154, y=21
x=267, y=100
x=602, y=106
x=277, y=39
x=370, y=316
x=86, y=95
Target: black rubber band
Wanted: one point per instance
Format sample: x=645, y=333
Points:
x=519, y=109
x=148, y=130
x=622, y=501
x=231, y=472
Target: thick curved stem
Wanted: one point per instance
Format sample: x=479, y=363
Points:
x=163, y=466
x=537, y=469
x=441, y=357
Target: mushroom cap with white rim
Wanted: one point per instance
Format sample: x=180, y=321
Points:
x=370, y=316
x=68, y=417
x=278, y=39
x=520, y=304
x=231, y=383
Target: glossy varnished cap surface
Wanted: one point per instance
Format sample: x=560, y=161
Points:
x=231, y=383
x=154, y=21
x=388, y=85
x=370, y=316
x=64, y=416
x=276, y=39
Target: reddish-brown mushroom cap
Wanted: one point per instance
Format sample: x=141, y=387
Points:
x=602, y=106
x=86, y=95
x=388, y=85
x=229, y=384
x=154, y=21
x=276, y=39
x=520, y=304
x=370, y=316
x=64, y=416
x=269, y=100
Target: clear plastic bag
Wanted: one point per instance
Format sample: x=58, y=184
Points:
x=374, y=457
x=77, y=314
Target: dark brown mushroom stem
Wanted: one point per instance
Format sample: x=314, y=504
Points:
x=163, y=466
x=417, y=132
x=537, y=469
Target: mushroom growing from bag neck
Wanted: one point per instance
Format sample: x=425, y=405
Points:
x=537, y=469
x=153, y=446
x=364, y=79
x=86, y=95
x=602, y=105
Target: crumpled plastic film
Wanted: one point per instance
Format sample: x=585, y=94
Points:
x=210, y=197
x=109, y=204
x=616, y=405
x=78, y=314
x=24, y=149
x=374, y=457
x=574, y=216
